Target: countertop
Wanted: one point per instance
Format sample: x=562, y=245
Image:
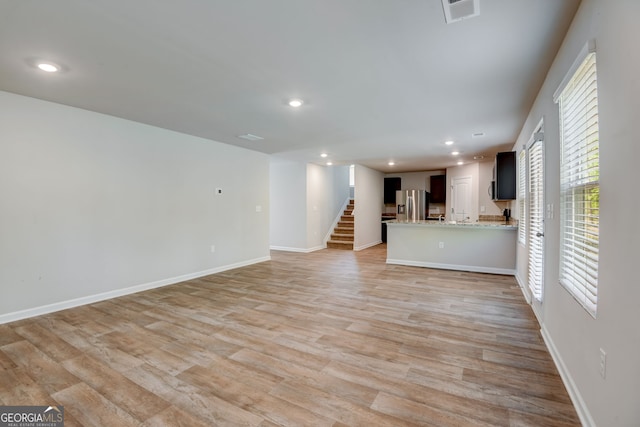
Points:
x=479, y=224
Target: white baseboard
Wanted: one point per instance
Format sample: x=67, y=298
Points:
x=368, y=245
x=523, y=288
x=63, y=305
x=574, y=394
x=301, y=250
x=473, y=268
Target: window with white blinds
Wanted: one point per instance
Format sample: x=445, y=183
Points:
x=579, y=184
x=522, y=197
x=536, y=218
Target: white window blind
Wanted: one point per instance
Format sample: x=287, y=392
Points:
x=536, y=218
x=579, y=184
x=522, y=197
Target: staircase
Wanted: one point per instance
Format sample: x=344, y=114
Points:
x=342, y=236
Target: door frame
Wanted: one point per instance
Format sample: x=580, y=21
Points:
x=536, y=137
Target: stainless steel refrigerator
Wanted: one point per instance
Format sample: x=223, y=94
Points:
x=412, y=205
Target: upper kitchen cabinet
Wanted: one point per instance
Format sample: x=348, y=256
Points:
x=504, y=176
x=438, y=188
x=391, y=185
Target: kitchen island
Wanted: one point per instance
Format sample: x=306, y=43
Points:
x=485, y=247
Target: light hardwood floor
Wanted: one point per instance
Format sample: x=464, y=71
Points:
x=331, y=338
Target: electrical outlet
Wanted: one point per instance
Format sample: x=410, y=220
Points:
x=441, y=245
x=603, y=363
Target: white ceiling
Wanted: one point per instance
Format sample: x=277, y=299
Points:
x=381, y=79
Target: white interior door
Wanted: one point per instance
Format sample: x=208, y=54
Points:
x=461, y=195
x=536, y=218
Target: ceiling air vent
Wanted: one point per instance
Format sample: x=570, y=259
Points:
x=250, y=137
x=457, y=10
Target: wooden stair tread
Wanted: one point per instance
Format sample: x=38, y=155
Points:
x=342, y=236
x=339, y=230
x=339, y=244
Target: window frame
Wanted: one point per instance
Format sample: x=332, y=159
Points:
x=535, y=212
x=580, y=180
x=522, y=196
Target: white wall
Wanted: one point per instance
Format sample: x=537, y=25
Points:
x=327, y=192
x=93, y=205
x=288, y=204
x=573, y=335
x=305, y=201
x=368, y=197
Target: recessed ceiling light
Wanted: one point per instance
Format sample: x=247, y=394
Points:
x=448, y=142
x=478, y=157
x=455, y=153
x=329, y=163
x=477, y=135
x=295, y=103
x=48, y=67
x=391, y=163
x=460, y=163
x=323, y=155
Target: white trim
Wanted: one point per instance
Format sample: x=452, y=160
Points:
x=536, y=137
x=472, y=268
x=63, y=305
x=524, y=288
x=368, y=245
x=572, y=389
x=589, y=47
x=580, y=229
x=300, y=250
x=526, y=291
x=536, y=307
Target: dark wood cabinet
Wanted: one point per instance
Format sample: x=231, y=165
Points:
x=438, y=188
x=391, y=185
x=504, y=176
